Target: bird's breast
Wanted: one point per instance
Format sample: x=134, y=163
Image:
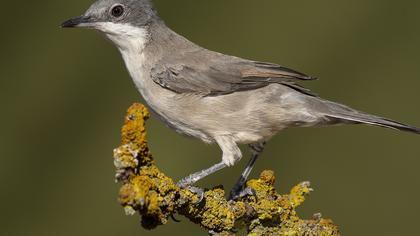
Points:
x=163, y=102
x=140, y=74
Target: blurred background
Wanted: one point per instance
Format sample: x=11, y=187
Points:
x=64, y=94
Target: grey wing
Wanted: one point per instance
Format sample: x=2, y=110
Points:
x=225, y=75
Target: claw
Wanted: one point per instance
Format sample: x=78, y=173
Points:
x=175, y=219
x=185, y=185
x=234, y=195
x=198, y=191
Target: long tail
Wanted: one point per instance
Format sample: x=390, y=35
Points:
x=344, y=114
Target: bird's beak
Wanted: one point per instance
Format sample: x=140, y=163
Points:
x=80, y=21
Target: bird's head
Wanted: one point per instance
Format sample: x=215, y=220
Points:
x=119, y=20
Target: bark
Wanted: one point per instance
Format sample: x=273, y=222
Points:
x=155, y=196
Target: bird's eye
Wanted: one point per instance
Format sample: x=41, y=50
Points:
x=117, y=11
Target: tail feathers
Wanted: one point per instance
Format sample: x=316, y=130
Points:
x=377, y=121
x=348, y=115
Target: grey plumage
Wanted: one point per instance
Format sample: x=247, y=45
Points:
x=222, y=75
x=139, y=12
x=208, y=95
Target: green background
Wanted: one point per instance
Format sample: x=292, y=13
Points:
x=64, y=93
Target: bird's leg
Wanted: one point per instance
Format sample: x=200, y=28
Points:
x=238, y=190
x=188, y=181
x=193, y=178
x=231, y=154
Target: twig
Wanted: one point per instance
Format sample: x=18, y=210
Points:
x=148, y=191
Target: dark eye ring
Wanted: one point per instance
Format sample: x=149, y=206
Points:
x=117, y=11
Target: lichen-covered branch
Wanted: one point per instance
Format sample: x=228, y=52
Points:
x=155, y=196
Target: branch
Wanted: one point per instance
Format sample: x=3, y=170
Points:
x=155, y=196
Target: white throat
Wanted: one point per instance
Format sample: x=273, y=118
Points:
x=131, y=42
x=125, y=36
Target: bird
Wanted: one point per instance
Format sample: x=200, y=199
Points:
x=216, y=98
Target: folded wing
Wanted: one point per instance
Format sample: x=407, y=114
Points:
x=224, y=75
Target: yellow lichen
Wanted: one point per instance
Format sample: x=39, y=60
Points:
x=147, y=190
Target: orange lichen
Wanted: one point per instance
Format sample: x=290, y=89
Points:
x=145, y=189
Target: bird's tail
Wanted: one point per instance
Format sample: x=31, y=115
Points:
x=344, y=114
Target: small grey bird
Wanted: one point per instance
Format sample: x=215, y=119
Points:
x=211, y=96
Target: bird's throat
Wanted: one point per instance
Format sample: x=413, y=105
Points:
x=125, y=36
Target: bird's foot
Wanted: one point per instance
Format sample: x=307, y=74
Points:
x=184, y=184
x=237, y=193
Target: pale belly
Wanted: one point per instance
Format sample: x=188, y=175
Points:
x=246, y=119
